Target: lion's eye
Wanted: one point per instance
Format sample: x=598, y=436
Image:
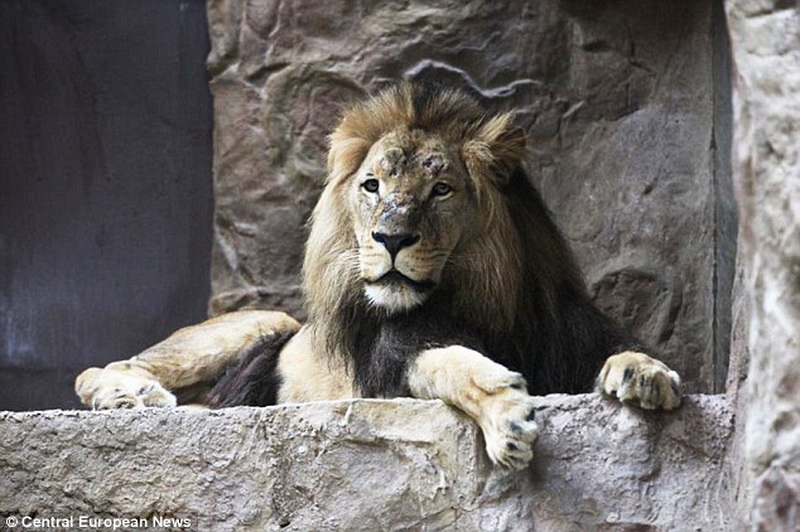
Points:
x=371, y=185
x=441, y=189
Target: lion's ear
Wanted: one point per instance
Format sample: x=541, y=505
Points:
x=496, y=149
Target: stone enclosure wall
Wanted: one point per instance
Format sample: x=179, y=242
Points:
x=765, y=38
x=370, y=465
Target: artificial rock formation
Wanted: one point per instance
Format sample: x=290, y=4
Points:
x=618, y=101
x=765, y=40
x=371, y=465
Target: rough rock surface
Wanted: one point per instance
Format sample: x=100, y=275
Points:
x=765, y=39
x=370, y=465
x=617, y=99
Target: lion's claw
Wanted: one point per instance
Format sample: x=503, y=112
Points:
x=508, y=426
x=105, y=389
x=641, y=380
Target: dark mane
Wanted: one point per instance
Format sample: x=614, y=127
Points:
x=560, y=339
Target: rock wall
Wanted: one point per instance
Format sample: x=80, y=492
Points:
x=765, y=37
x=370, y=465
x=618, y=100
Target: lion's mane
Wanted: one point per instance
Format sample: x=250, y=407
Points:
x=515, y=292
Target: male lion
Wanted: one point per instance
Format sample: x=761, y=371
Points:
x=432, y=270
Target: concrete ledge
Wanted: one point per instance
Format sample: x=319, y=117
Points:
x=370, y=465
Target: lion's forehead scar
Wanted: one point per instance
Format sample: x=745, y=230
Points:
x=396, y=162
x=404, y=151
x=393, y=161
x=434, y=163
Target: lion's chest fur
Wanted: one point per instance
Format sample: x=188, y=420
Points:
x=382, y=347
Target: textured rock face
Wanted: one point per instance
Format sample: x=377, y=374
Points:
x=617, y=100
x=370, y=465
x=765, y=37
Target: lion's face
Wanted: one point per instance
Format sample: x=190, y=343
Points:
x=411, y=200
x=414, y=203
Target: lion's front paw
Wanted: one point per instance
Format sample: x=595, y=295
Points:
x=104, y=389
x=488, y=392
x=507, y=420
x=641, y=380
x=133, y=393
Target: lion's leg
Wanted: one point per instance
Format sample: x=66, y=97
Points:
x=184, y=364
x=494, y=396
x=640, y=379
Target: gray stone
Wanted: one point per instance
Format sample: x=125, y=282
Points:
x=617, y=99
x=765, y=40
x=371, y=465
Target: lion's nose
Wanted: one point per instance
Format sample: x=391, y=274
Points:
x=394, y=243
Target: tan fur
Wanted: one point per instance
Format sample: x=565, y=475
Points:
x=105, y=389
x=189, y=358
x=640, y=379
x=307, y=377
x=486, y=391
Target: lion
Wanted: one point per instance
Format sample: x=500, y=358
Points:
x=433, y=269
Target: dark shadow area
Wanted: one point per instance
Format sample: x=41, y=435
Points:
x=726, y=221
x=105, y=186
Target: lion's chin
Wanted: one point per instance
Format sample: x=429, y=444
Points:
x=394, y=298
